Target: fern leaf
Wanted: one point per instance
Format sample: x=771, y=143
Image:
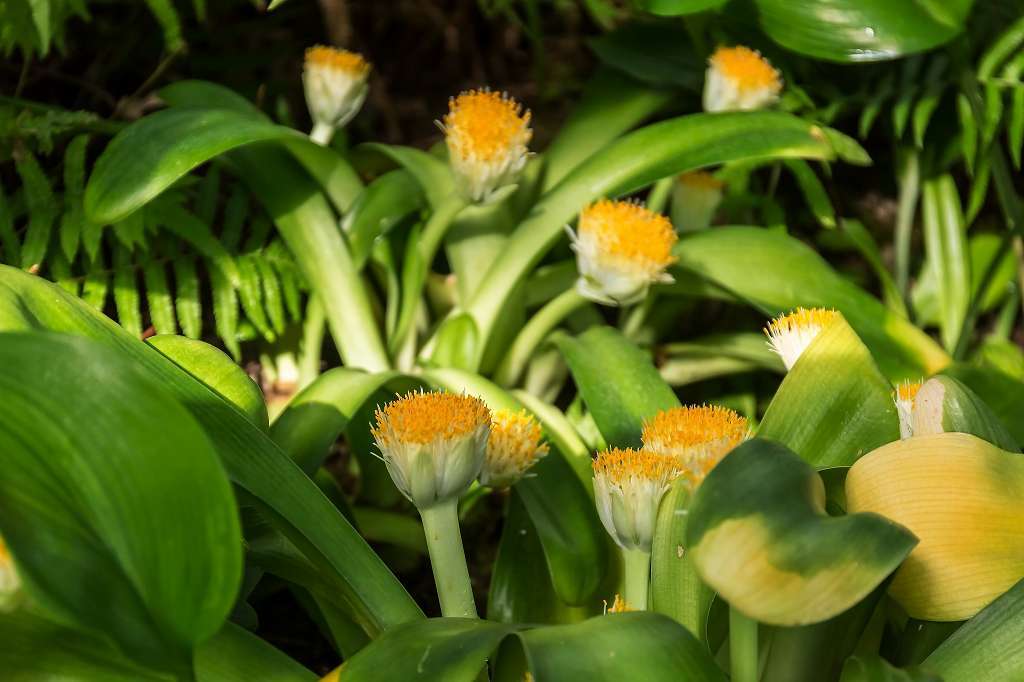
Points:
x=131, y=231
x=8, y=239
x=60, y=272
x=73, y=220
x=42, y=210
x=158, y=297
x=272, y=295
x=126, y=291
x=250, y=291
x=235, y=214
x=209, y=190
x=278, y=255
x=225, y=312
x=186, y=297
x=185, y=224
x=97, y=283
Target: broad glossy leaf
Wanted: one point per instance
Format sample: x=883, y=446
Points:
x=759, y=535
x=834, y=405
x=659, y=53
x=233, y=655
x=629, y=163
x=777, y=273
x=619, y=646
x=676, y=589
x=152, y=153
x=945, y=405
x=216, y=370
x=385, y=203
x=961, y=496
x=101, y=534
x=995, y=637
x=862, y=30
x=618, y=382
x=1001, y=392
x=253, y=462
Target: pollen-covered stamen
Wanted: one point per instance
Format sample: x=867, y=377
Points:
x=697, y=437
x=335, y=85
x=421, y=417
x=618, y=605
x=349, y=63
x=789, y=335
x=904, y=396
x=628, y=487
x=621, y=248
x=487, y=134
x=433, y=444
x=739, y=78
x=512, y=448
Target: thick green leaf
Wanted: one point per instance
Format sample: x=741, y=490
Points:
x=945, y=243
x=216, y=370
x=716, y=355
x=659, y=53
x=152, y=153
x=989, y=647
x=1000, y=392
x=233, y=655
x=641, y=646
x=631, y=162
x=375, y=599
x=385, y=203
x=834, y=405
x=671, y=8
x=777, y=273
x=618, y=382
x=945, y=405
x=862, y=30
x=759, y=535
x=432, y=173
x=161, y=576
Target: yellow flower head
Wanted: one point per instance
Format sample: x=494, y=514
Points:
x=10, y=583
x=335, y=84
x=628, y=487
x=513, y=447
x=487, y=134
x=789, y=335
x=621, y=249
x=433, y=443
x=904, y=396
x=696, y=436
x=740, y=79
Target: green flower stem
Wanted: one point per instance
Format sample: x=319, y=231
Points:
x=534, y=333
x=657, y=198
x=313, y=329
x=448, y=560
x=637, y=565
x=742, y=647
x=321, y=133
x=419, y=255
x=910, y=191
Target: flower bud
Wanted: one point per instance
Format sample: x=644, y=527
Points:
x=433, y=444
x=335, y=85
x=487, y=134
x=628, y=487
x=695, y=198
x=621, y=249
x=789, y=335
x=740, y=79
x=512, y=448
x=697, y=437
